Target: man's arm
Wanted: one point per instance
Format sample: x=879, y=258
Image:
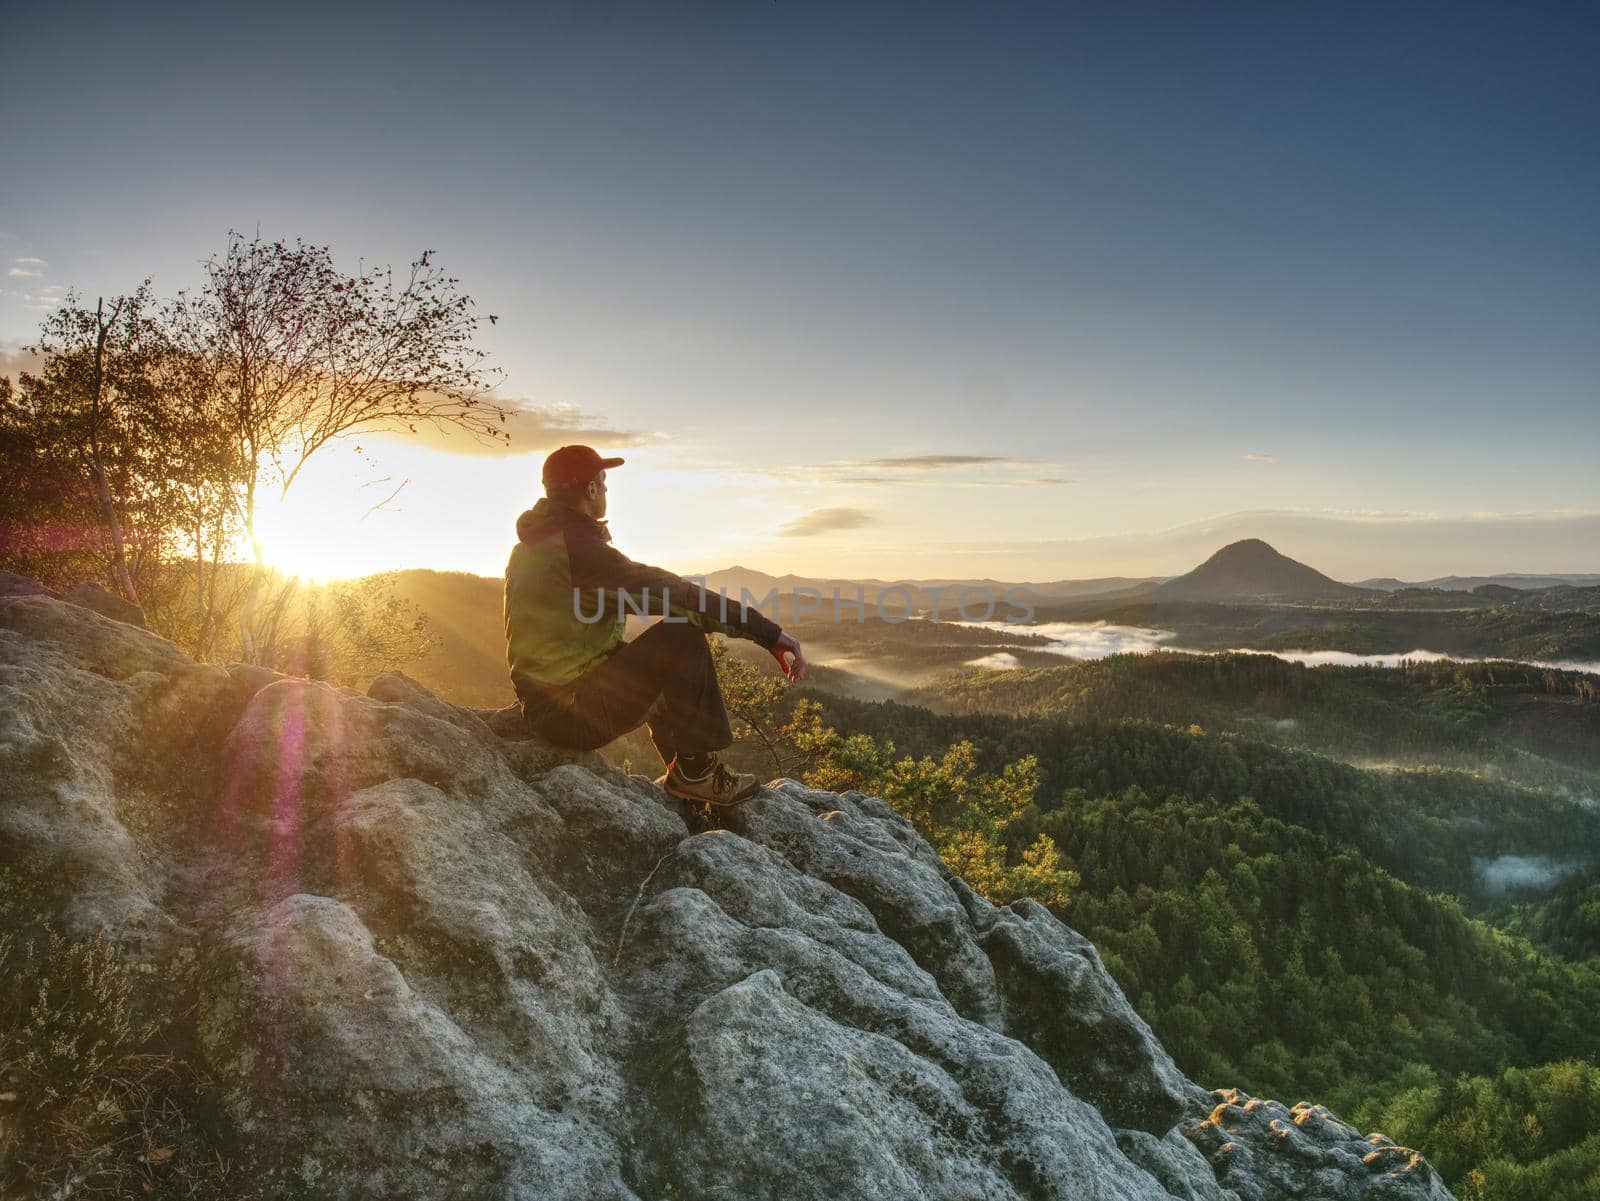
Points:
x=595, y=564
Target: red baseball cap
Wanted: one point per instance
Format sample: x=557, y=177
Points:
x=574, y=466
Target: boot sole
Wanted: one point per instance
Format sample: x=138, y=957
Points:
x=730, y=803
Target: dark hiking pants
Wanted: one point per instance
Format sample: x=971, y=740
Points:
x=664, y=677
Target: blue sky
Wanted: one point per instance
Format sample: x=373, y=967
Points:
x=1181, y=260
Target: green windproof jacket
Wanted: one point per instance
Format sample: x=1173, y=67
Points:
x=569, y=591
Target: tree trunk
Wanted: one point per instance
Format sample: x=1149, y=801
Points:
x=258, y=570
x=202, y=613
x=102, y=487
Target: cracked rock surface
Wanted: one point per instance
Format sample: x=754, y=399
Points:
x=437, y=958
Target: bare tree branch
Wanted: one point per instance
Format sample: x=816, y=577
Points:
x=385, y=501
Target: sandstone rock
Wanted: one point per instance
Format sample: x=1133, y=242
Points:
x=12, y=584
x=1091, y=1035
x=107, y=604
x=433, y=961
x=1176, y=1163
x=505, y=722
x=994, y=965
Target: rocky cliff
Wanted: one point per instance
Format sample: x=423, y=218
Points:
x=426, y=959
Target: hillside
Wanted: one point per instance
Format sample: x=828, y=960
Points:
x=1518, y=722
x=466, y=659
x=377, y=949
x=1251, y=570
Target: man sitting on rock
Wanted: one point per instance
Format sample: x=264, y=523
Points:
x=579, y=683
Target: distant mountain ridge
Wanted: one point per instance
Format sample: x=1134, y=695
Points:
x=759, y=583
x=1252, y=570
x=1469, y=583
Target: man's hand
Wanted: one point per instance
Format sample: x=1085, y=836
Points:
x=794, y=667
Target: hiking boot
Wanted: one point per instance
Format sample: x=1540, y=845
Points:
x=718, y=786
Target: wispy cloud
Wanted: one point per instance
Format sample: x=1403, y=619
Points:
x=931, y=461
x=1257, y=457
x=822, y=521
x=43, y=300
x=26, y=268
x=533, y=428
x=14, y=360
x=911, y=481
x=922, y=471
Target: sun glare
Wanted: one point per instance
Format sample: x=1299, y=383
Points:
x=320, y=531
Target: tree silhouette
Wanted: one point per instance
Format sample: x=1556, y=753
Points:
x=299, y=354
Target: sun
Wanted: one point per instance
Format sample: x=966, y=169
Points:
x=322, y=529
